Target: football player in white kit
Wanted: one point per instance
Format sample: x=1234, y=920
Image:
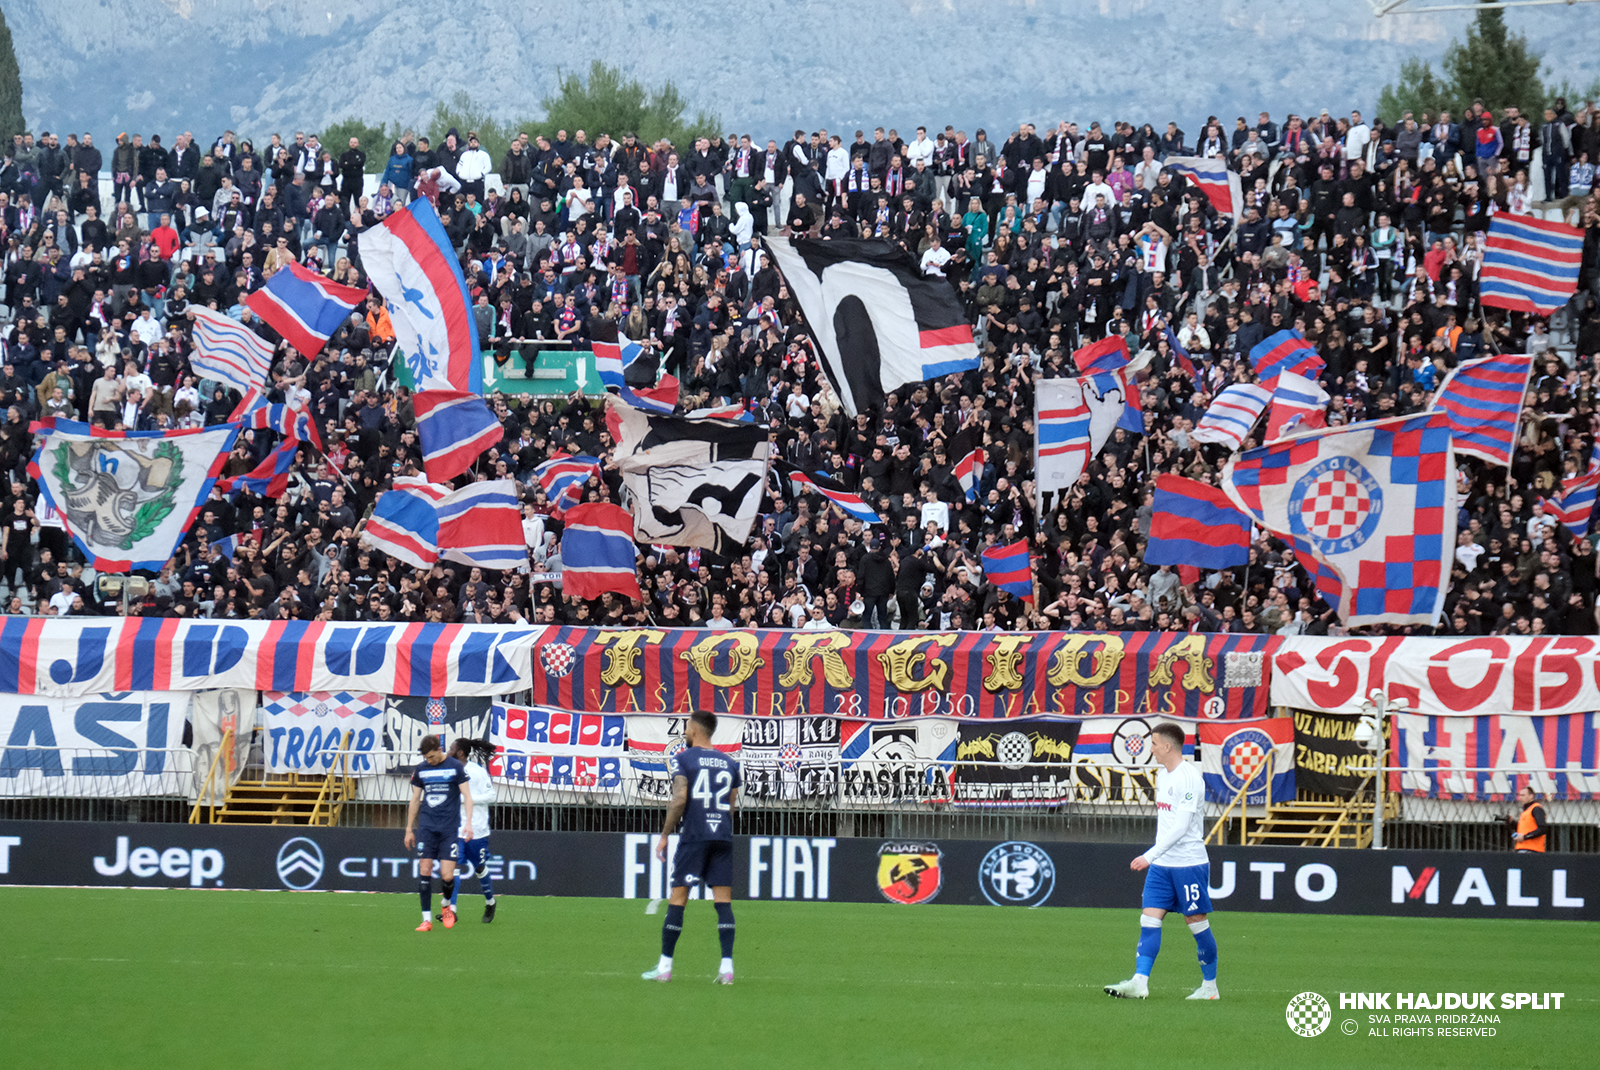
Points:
x=474, y=855
x=1178, y=873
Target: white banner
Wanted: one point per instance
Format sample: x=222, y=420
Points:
x=303, y=732
x=212, y=715
x=98, y=746
x=1442, y=676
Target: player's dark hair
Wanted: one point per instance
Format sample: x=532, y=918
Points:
x=707, y=720
x=472, y=750
x=1173, y=732
x=428, y=745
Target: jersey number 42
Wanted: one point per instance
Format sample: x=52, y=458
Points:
x=704, y=794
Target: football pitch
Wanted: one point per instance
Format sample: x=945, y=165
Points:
x=224, y=980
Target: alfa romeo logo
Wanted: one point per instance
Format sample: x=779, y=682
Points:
x=1308, y=1014
x=1336, y=505
x=300, y=864
x=1017, y=874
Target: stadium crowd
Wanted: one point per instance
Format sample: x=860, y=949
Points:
x=1365, y=235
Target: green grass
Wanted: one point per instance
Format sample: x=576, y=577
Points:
x=227, y=980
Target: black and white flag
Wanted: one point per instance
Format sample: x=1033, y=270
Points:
x=878, y=322
x=690, y=482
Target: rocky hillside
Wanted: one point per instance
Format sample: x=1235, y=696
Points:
x=766, y=65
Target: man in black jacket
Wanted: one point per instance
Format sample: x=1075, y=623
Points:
x=352, y=173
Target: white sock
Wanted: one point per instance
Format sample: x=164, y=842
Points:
x=727, y=966
x=665, y=965
x=427, y=915
x=1142, y=978
x=488, y=900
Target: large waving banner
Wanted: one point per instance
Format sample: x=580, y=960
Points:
x=52, y=656
x=873, y=675
x=96, y=746
x=1490, y=758
x=1446, y=677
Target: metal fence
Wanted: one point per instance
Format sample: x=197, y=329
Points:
x=920, y=800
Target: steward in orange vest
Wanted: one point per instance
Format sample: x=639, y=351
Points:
x=1530, y=833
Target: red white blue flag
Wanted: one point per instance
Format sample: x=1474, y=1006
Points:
x=1248, y=758
x=1106, y=355
x=1232, y=415
x=837, y=493
x=405, y=522
x=420, y=522
x=1286, y=351
x=228, y=351
x=413, y=264
x=1195, y=524
x=1007, y=567
x=967, y=458
x=1575, y=508
x=481, y=524
x=454, y=427
x=1482, y=399
x=598, y=553
x=303, y=306
x=563, y=479
x=613, y=353
x=270, y=478
x=1298, y=404
x=1211, y=175
x=286, y=420
x=1530, y=264
x=1369, y=509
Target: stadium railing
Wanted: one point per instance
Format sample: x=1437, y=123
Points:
x=1049, y=801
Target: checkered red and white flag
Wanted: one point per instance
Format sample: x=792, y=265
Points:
x=1370, y=511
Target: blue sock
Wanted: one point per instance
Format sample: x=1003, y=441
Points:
x=1149, y=944
x=671, y=929
x=486, y=886
x=1206, y=942
x=455, y=888
x=725, y=928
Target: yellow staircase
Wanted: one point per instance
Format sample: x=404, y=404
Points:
x=281, y=798
x=1308, y=821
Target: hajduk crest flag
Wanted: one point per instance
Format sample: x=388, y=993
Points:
x=1248, y=758
x=879, y=323
x=128, y=498
x=303, y=306
x=1369, y=509
x=412, y=263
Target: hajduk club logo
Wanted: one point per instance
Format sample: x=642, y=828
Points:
x=1308, y=1014
x=1336, y=505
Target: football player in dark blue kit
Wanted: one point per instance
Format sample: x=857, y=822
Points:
x=705, y=789
x=440, y=792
